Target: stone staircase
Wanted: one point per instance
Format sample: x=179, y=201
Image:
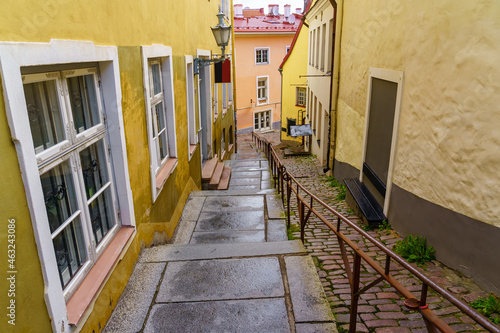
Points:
x=215, y=175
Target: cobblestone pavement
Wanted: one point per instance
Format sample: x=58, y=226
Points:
x=380, y=309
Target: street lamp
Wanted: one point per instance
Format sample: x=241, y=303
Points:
x=222, y=34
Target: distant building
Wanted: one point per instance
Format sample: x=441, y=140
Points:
x=294, y=83
x=261, y=43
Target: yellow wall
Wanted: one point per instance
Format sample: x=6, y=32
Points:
x=128, y=25
x=295, y=65
x=247, y=72
x=448, y=137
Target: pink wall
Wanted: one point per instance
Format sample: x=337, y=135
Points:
x=247, y=72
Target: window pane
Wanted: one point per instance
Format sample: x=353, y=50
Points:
x=69, y=246
x=160, y=116
x=264, y=56
x=44, y=114
x=94, y=168
x=82, y=94
x=102, y=215
x=163, y=146
x=156, y=79
x=59, y=194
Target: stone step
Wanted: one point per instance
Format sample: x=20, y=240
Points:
x=224, y=180
x=214, y=181
x=219, y=251
x=208, y=170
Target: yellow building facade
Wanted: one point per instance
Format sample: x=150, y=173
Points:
x=104, y=128
x=294, y=83
x=435, y=150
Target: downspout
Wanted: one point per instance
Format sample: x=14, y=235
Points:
x=233, y=78
x=281, y=103
x=338, y=21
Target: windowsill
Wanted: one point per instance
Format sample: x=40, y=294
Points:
x=224, y=111
x=192, y=149
x=222, y=155
x=92, y=283
x=216, y=116
x=261, y=63
x=230, y=147
x=165, y=171
x=300, y=106
x=262, y=103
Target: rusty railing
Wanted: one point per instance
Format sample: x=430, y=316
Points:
x=305, y=207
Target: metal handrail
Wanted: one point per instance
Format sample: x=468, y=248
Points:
x=432, y=321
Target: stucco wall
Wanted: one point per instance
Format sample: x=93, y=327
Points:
x=295, y=65
x=128, y=25
x=448, y=137
x=246, y=73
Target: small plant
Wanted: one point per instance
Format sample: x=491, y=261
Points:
x=341, y=187
x=415, y=249
x=489, y=307
x=291, y=230
x=384, y=225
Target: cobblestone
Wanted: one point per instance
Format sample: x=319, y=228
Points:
x=380, y=308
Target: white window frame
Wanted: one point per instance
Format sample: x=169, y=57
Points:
x=398, y=78
x=297, y=89
x=190, y=105
x=215, y=102
x=14, y=56
x=270, y=119
x=266, y=100
x=164, y=53
x=268, y=50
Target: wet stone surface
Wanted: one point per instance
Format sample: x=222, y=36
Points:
x=232, y=236
x=221, y=279
x=213, y=221
x=261, y=315
x=240, y=203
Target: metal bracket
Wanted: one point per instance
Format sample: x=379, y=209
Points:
x=200, y=63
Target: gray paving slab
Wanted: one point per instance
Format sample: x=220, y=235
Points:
x=247, y=163
x=239, y=203
x=266, y=174
x=230, y=193
x=276, y=230
x=245, y=174
x=133, y=305
x=244, y=187
x=246, y=220
x=183, y=232
x=228, y=236
x=245, y=168
x=221, y=279
x=244, y=181
x=316, y=328
x=192, y=208
x=218, y=251
x=264, y=164
x=308, y=298
x=261, y=315
x=274, y=206
x=266, y=185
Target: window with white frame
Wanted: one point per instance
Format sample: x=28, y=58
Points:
x=216, y=102
x=191, y=119
x=160, y=115
x=74, y=167
x=262, y=120
x=262, y=90
x=301, y=96
x=262, y=56
x=75, y=172
x=224, y=97
x=230, y=92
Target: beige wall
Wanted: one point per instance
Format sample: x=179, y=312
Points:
x=448, y=137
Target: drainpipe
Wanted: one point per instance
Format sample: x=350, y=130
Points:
x=335, y=78
x=281, y=103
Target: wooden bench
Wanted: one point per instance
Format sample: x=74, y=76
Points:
x=363, y=203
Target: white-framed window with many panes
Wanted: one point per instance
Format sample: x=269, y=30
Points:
x=67, y=124
x=300, y=96
x=262, y=56
x=60, y=98
x=262, y=90
x=160, y=115
x=262, y=120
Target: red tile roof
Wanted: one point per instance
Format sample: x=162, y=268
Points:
x=266, y=23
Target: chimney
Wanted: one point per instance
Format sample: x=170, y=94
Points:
x=287, y=10
x=273, y=11
x=298, y=10
x=238, y=10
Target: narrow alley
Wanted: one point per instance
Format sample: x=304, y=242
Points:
x=230, y=267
